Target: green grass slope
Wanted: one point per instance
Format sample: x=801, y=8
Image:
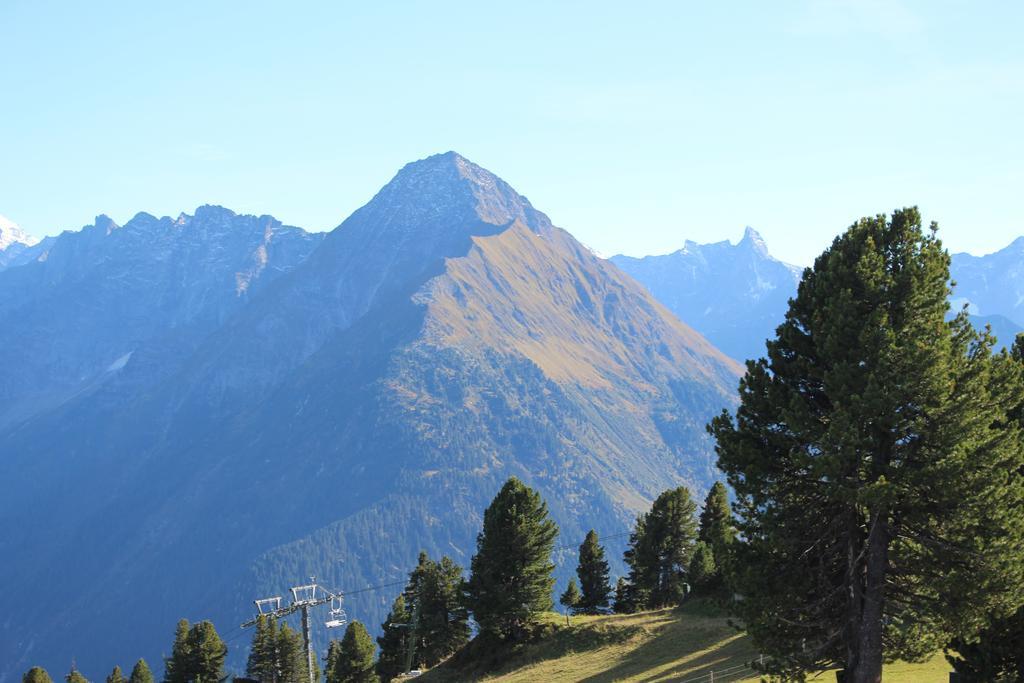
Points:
x=681, y=645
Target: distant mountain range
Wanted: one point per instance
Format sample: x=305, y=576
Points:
x=202, y=410
x=736, y=295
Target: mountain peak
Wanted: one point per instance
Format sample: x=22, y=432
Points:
x=752, y=240
x=450, y=189
x=11, y=233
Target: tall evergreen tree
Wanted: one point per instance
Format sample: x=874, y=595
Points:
x=141, y=673
x=659, y=550
x=703, y=573
x=570, y=599
x=511, y=579
x=351, y=661
x=197, y=656
x=291, y=656
x=874, y=467
x=262, y=664
x=440, y=621
x=624, y=603
x=332, y=661
x=716, y=527
x=716, y=531
x=592, y=571
x=394, y=641
x=207, y=653
x=116, y=676
x=36, y=674
x=176, y=667
x=75, y=676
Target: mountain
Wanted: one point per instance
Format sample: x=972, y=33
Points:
x=151, y=291
x=18, y=247
x=735, y=295
x=197, y=440
x=992, y=284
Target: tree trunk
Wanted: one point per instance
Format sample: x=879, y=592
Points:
x=855, y=590
x=869, y=659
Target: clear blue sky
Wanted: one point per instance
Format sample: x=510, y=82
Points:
x=635, y=125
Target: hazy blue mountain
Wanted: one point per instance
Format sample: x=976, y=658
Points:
x=1004, y=329
x=735, y=295
x=364, y=404
x=992, y=284
x=152, y=289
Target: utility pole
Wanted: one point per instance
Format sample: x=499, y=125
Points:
x=303, y=598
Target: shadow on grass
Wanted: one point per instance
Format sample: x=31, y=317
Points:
x=670, y=644
x=687, y=650
x=482, y=658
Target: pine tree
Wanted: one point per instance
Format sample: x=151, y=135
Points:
x=439, y=620
x=659, y=550
x=332, y=660
x=394, y=641
x=571, y=597
x=36, y=674
x=75, y=676
x=176, y=667
x=262, y=664
x=291, y=656
x=593, y=574
x=717, y=531
x=352, y=660
x=116, y=676
x=511, y=579
x=141, y=673
x=207, y=653
x=875, y=472
x=624, y=603
x=716, y=526
x=703, y=573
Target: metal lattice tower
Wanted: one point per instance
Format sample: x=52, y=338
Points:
x=303, y=598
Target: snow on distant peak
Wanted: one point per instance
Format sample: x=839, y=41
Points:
x=11, y=233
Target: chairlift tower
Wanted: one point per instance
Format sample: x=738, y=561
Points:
x=303, y=598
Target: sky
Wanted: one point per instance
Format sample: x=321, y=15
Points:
x=634, y=125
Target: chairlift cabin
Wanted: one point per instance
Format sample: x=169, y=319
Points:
x=338, y=617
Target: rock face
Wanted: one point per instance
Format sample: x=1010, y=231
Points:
x=327, y=415
x=735, y=295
